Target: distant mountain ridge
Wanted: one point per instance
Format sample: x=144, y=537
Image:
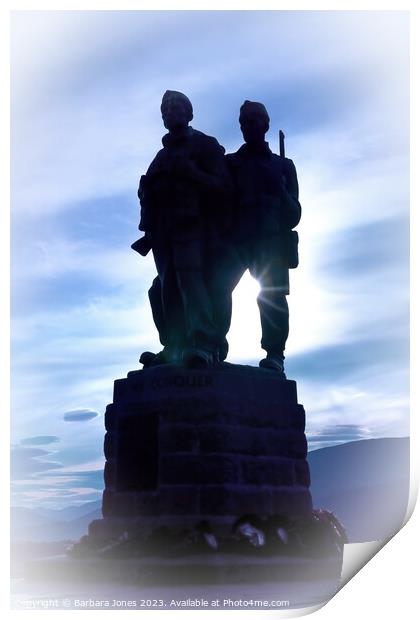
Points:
x=69, y=513
x=365, y=483
x=40, y=525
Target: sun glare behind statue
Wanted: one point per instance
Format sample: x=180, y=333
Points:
x=245, y=332
x=314, y=318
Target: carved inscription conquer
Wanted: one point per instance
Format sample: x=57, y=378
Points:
x=181, y=381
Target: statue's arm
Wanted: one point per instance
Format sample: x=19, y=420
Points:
x=292, y=207
x=145, y=210
x=145, y=192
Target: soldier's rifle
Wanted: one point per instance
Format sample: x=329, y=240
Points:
x=292, y=235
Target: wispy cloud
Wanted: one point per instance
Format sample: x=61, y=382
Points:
x=28, y=462
x=40, y=440
x=336, y=434
x=37, y=480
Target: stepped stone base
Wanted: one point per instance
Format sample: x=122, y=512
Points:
x=184, y=445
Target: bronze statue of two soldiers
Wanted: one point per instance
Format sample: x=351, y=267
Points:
x=208, y=217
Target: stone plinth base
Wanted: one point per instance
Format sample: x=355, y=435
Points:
x=184, y=445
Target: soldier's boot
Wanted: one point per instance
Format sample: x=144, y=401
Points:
x=197, y=358
x=223, y=350
x=146, y=358
x=167, y=356
x=274, y=361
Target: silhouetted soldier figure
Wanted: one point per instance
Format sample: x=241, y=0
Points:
x=177, y=197
x=266, y=208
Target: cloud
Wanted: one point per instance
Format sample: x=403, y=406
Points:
x=344, y=360
x=367, y=248
x=84, y=479
x=39, y=440
x=131, y=72
x=80, y=415
x=337, y=433
x=29, y=462
x=52, y=488
x=36, y=480
x=49, y=495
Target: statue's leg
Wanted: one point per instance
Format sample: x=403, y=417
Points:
x=171, y=320
x=155, y=299
x=148, y=358
x=269, y=269
x=198, y=312
x=274, y=313
x=224, y=269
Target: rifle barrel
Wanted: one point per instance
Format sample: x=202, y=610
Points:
x=281, y=144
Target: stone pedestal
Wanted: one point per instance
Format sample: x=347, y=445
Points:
x=184, y=445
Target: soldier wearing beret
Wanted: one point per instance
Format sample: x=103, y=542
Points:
x=266, y=209
x=179, y=195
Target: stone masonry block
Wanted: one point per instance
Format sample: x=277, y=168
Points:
x=224, y=438
x=234, y=500
x=119, y=390
x=302, y=473
x=109, y=445
x=178, y=438
x=198, y=469
x=129, y=504
x=268, y=471
x=229, y=412
x=109, y=474
x=291, y=502
x=134, y=421
x=289, y=444
x=179, y=499
x=107, y=503
x=110, y=417
x=297, y=418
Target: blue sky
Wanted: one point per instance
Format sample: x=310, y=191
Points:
x=86, y=90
